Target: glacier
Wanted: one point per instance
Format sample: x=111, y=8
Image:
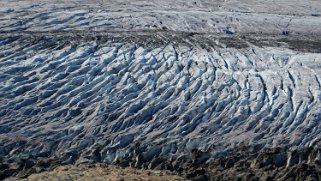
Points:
x=159, y=85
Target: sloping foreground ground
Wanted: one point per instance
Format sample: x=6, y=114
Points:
x=101, y=173
x=208, y=103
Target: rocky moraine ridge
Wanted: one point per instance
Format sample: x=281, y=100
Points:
x=222, y=104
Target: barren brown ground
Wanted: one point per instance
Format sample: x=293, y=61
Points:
x=101, y=173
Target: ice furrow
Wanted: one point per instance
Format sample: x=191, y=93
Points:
x=124, y=93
